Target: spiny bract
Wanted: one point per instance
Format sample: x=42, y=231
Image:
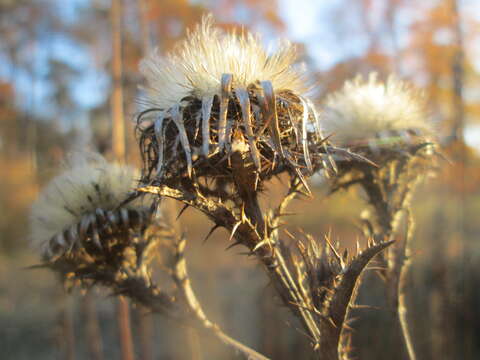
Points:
x=88, y=184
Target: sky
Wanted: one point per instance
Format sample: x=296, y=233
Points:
x=308, y=21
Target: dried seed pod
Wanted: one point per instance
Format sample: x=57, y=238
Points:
x=218, y=93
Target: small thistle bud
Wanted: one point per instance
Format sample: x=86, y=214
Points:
x=367, y=113
x=80, y=206
x=328, y=280
x=219, y=93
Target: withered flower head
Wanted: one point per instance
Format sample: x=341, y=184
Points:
x=375, y=114
x=387, y=123
x=80, y=206
x=218, y=93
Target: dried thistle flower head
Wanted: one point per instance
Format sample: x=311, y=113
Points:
x=368, y=112
x=387, y=123
x=219, y=93
x=68, y=209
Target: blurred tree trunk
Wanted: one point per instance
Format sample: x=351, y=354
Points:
x=118, y=144
x=390, y=12
x=143, y=7
x=144, y=316
x=118, y=126
x=457, y=134
x=440, y=318
x=92, y=329
x=124, y=328
x=457, y=74
x=31, y=124
x=65, y=336
x=193, y=344
x=145, y=332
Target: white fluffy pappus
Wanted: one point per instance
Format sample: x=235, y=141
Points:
x=89, y=183
x=365, y=109
x=196, y=65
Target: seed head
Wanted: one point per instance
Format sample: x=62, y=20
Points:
x=367, y=112
x=219, y=93
x=90, y=183
x=196, y=65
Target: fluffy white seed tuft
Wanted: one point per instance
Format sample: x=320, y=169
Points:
x=195, y=67
x=89, y=183
x=367, y=108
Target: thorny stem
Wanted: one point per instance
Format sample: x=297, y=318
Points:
x=400, y=274
x=388, y=214
x=305, y=314
x=279, y=269
x=251, y=237
x=325, y=333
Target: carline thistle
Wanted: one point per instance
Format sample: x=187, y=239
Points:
x=220, y=93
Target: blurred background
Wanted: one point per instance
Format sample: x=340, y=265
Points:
x=63, y=83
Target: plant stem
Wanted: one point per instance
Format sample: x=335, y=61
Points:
x=397, y=267
x=400, y=274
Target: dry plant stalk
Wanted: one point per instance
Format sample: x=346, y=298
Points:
x=386, y=123
x=233, y=118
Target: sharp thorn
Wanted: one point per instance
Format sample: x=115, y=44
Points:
x=235, y=227
x=185, y=207
x=236, y=243
x=215, y=227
